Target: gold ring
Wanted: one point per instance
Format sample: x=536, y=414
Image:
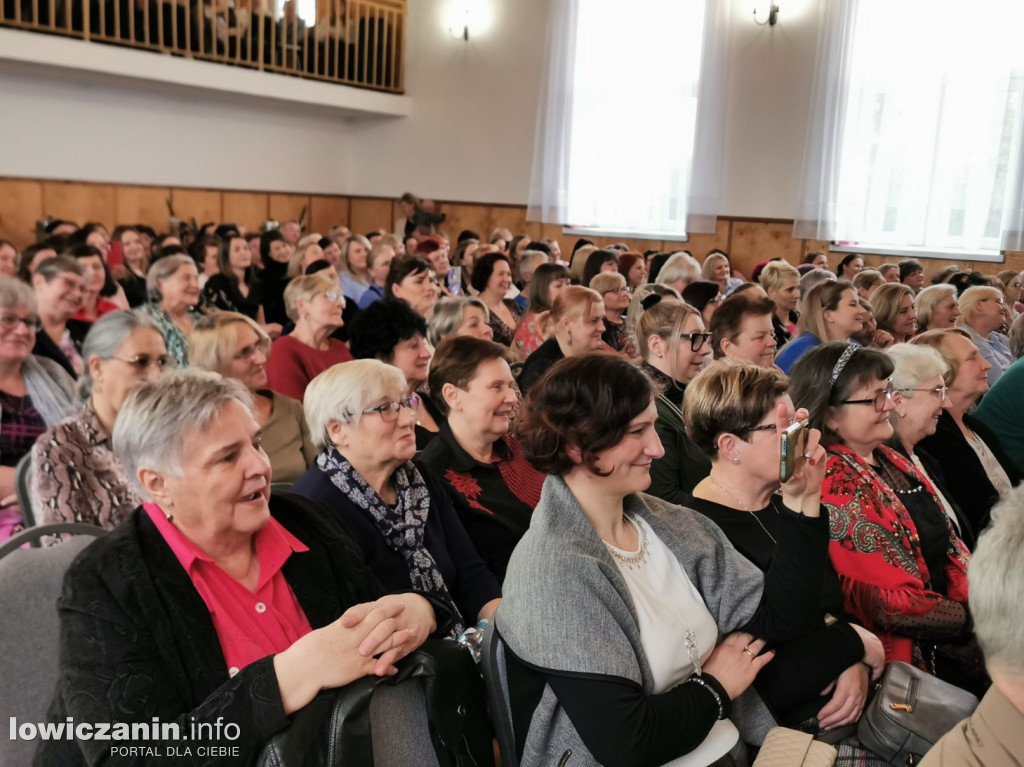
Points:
x=747, y=650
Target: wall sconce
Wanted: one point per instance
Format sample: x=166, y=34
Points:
x=773, y=16
x=466, y=15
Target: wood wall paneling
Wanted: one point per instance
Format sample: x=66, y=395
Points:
x=514, y=217
x=701, y=244
x=199, y=204
x=474, y=217
x=327, y=212
x=755, y=241
x=368, y=215
x=287, y=206
x=21, y=205
x=142, y=205
x=248, y=209
x=80, y=202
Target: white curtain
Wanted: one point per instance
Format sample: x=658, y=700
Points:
x=916, y=127
x=619, y=127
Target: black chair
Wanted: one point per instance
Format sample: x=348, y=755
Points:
x=492, y=666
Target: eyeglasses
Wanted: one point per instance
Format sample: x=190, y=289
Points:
x=142, y=362
x=697, y=340
x=762, y=427
x=249, y=352
x=999, y=301
x=890, y=394
x=939, y=391
x=389, y=410
x=623, y=289
x=333, y=296
x=11, y=322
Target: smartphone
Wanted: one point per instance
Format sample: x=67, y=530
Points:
x=790, y=449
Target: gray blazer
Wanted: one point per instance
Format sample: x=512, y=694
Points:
x=587, y=624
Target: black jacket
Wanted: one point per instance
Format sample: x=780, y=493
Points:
x=45, y=347
x=969, y=485
x=137, y=640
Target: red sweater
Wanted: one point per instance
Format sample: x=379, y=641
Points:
x=293, y=364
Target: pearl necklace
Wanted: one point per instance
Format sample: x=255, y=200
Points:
x=631, y=559
x=744, y=506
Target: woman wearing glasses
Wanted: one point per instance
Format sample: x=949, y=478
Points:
x=75, y=475
x=363, y=421
x=611, y=286
x=982, y=316
x=901, y=565
x=235, y=346
x=919, y=378
x=315, y=303
x=673, y=346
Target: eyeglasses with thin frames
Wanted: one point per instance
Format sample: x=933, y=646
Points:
x=11, y=321
x=892, y=395
x=248, y=352
x=939, y=391
x=697, y=340
x=389, y=410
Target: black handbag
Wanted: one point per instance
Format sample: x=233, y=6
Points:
x=334, y=729
x=911, y=710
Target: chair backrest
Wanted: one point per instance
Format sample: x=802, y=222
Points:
x=30, y=582
x=22, y=475
x=492, y=665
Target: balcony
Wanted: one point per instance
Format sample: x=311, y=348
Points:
x=358, y=42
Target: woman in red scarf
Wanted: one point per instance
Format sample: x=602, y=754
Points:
x=902, y=567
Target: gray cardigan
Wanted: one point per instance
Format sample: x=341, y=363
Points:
x=590, y=626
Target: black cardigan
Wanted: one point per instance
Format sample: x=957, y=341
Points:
x=969, y=486
x=137, y=640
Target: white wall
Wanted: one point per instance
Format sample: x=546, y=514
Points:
x=469, y=136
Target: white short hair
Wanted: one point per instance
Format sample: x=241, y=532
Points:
x=914, y=365
x=996, y=582
x=155, y=419
x=679, y=267
x=343, y=391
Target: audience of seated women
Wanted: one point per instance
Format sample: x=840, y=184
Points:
x=75, y=475
x=633, y=267
x=477, y=458
x=892, y=304
x=275, y=253
x=682, y=616
x=576, y=323
x=919, y=378
x=982, y=316
x=867, y=281
x=392, y=332
x=378, y=264
x=599, y=261
x=673, y=346
x=173, y=285
x=362, y=420
x=456, y=317
x=818, y=681
x=306, y=252
x=131, y=272
x=235, y=287
x=354, y=268
x=411, y=279
x=58, y=284
x=611, y=286
x=716, y=269
x=8, y=259
x=742, y=328
x=983, y=472
x=220, y=602
x=492, y=279
x=547, y=282
x=314, y=303
x=235, y=346
x=35, y=392
x=831, y=312
x=901, y=564
x=781, y=281
x=848, y=268
x=937, y=308
x=678, y=271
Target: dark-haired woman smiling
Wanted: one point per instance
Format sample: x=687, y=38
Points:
x=234, y=288
x=658, y=584
x=492, y=277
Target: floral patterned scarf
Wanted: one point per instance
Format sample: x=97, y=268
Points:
x=402, y=526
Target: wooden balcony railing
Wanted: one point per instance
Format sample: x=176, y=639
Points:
x=358, y=42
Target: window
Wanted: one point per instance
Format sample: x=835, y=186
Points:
x=923, y=146
x=620, y=121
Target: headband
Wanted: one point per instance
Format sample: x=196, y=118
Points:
x=851, y=349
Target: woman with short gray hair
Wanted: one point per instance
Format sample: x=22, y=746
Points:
x=362, y=418
x=59, y=284
x=75, y=475
x=459, y=317
x=221, y=602
x=173, y=285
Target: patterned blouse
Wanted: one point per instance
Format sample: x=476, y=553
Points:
x=528, y=335
x=175, y=337
x=76, y=478
x=503, y=334
x=20, y=425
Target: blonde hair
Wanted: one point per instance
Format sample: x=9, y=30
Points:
x=343, y=391
x=679, y=266
x=213, y=342
x=707, y=271
x=970, y=299
x=579, y=261
x=605, y=282
x=665, y=319
x=885, y=303
x=775, y=273
x=572, y=303
x=928, y=299
x=295, y=262
x=867, y=278
x=936, y=339
x=825, y=296
x=305, y=288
